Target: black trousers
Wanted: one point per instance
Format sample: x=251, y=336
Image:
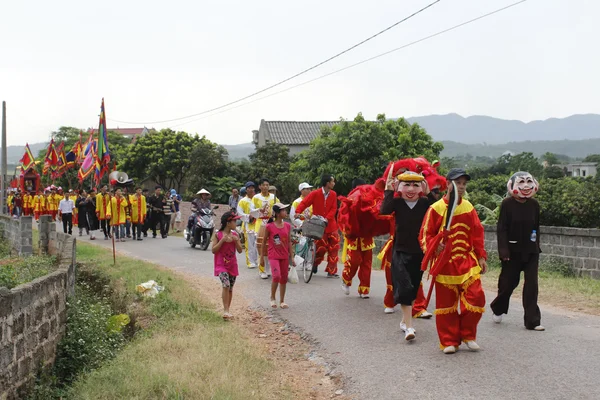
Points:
x=509, y=280
x=406, y=276
x=105, y=226
x=164, y=230
x=146, y=224
x=157, y=218
x=67, y=220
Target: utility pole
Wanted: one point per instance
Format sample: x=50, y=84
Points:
x=4, y=162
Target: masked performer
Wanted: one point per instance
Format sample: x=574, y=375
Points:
x=409, y=211
x=436, y=183
x=519, y=249
x=453, y=242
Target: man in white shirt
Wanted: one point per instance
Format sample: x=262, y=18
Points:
x=304, y=189
x=65, y=213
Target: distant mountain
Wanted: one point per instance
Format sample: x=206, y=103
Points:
x=14, y=153
x=482, y=129
x=239, y=151
x=570, y=148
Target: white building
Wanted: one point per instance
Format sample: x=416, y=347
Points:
x=582, y=169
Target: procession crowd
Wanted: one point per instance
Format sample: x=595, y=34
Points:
x=430, y=230
x=114, y=212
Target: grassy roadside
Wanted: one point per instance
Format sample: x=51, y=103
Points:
x=186, y=350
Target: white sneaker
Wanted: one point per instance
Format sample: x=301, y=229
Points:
x=364, y=296
x=472, y=345
x=539, y=328
x=263, y=275
x=425, y=315
x=497, y=318
x=389, y=310
x=252, y=266
x=409, y=334
x=346, y=289
x=449, y=350
x=403, y=327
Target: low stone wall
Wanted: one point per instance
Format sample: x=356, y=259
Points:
x=32, y=322
x=576, y=247
x=61, y=245
x=19, y=234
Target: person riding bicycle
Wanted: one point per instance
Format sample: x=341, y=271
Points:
x=304, y=189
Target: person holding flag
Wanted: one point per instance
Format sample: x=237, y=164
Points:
x=452, y=239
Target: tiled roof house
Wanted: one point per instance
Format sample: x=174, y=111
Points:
x=297, y=135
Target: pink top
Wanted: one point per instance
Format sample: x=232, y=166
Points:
x=279, y=241
x=225, y=258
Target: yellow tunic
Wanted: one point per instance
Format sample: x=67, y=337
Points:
x=264, y=205
x=102, y=206
x=244, y=209
x=9, y=202
x=138, y=208
x=52, y=202
x=27, y=201
x=118, y=211
x=307, y=213
x=39, y=203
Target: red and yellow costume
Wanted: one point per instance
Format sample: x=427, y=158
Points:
x=138, y=209
x=117, y=211
x=330, y=243
x=358, y=258
x=39, y=205
x=103, y=206
x=27, y=204
x=52, y=204
x=9, y=202
x=456, y=270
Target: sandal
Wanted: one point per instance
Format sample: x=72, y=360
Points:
x=227, y=316
x=284, y=306
x=273, y=304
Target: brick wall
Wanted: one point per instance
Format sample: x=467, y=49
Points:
x=32, y=322
x=19, y=234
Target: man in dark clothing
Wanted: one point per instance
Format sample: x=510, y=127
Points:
x=148, y=218
x=409, y=211
x=519, y=249
x=156, y=203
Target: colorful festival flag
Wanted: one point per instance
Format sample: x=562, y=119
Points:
x=28, y=160
x=51, y=158
x=61, y=165
x=103, y=155
x=89, y=160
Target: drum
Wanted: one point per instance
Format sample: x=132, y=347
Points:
x=260, y=238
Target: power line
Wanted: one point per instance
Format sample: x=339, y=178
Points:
x=291, y=77
x=361, y=62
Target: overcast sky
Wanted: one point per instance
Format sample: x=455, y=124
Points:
x=157, y=60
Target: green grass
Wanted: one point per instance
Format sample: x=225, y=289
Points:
x=15, y=271
x=185, y=351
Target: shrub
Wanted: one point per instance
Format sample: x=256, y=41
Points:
x=22, y=270
x=90, y=337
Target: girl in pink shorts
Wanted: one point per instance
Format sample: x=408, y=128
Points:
x=224, y=245
x=277, y=235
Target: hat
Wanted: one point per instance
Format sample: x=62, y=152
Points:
x=173, y=191
x=410, y=176
x=278, y=207
x=250, y=184
x=303, y=186
x=229, y=216
x=203, y=191
x=456, y=173
x=272, y=188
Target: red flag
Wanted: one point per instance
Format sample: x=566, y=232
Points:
x=51, y=158
x=28, y=160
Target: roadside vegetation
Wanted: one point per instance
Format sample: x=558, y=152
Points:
x=15, y=271
x=120, y=345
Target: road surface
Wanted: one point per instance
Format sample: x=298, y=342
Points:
x=367, y=348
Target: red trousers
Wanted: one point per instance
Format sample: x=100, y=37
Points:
x=76, y=219
x=27, y=211
x=388, y=300
x=36, y=215
x=358, y=261
x=452, y=327
x=330, y=244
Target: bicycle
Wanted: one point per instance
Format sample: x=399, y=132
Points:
x=307, y=250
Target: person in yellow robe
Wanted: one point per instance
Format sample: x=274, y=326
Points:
x=27, y=204
x=39, y=204
x=102, y=206
x=117, y=213
x=139, y=209
x=9, y=202
x=263, y=208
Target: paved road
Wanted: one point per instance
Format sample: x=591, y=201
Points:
x=366, y=346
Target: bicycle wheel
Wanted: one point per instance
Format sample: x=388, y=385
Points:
x=310, y=251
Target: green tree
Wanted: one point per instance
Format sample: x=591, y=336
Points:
x=207, y=160
x=592, y=158
x=361, y=148
x=553, y=172
x=162, y=156
x=550, y=158
x=272, y=161
x=220, y=188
